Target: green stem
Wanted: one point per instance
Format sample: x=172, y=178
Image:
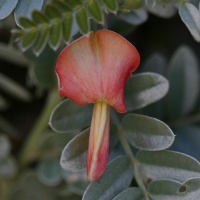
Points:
x=128, y=151
x=125, y=145
x=29, y=150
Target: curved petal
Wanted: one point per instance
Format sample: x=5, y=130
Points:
x=95, y=67
x=77, y=71
x=118, y=59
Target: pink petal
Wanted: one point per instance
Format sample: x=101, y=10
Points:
x=77, y=71
x=118, y=59
x=99, y=141
x=96, y=66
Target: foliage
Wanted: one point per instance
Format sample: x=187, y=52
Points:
x=146, y=160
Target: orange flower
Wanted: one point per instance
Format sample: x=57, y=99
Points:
x=94, y=69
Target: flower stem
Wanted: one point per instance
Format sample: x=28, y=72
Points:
x=29, y=150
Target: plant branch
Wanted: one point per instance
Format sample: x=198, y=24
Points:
x=29, y=150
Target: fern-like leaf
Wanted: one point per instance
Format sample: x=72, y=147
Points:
x=56, y=22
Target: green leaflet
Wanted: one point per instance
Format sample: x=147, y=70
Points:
x=130, y=193
x=26, y=23
x=28, y=39
x=167, y=165
x=82, y=20
x=183, y=74
x=190, y=15
x=42, y=40
x=111, y=4
x=73, y=156
x=49, y=172
x=116, y=178
x=95, y=10
x=70, y=117
x=144, y=89
x=154, y=135
x=55, y=34
x=169, y=189
x=67, y=26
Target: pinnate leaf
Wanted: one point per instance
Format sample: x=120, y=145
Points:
x=52, y=144
x=190, y=15
x=167, y=165
x=82, y=20
x=134, y=17
x=52, y=12
x=116, y=178
x=25, y=8
x=95, y=10
x=62, y=6
x=183, y=74
x=111, y=4
x=156, y=63
x=55, y=34
x=28, y=39
x=169, y=189
x=130, y=193
x=147, y=133
x=49, y=172
x=73, y=156
x=42, y=40
x=67, y=26
x=144, y=89
x=6, y=7
x=39, y=18
x=68, y=117
x=26, y=23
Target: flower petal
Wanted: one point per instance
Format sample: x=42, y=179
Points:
x=99, y=141
x=118, y=59
x=76, y=71
x=96, y=66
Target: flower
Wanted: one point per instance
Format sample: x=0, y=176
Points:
x=94, y=69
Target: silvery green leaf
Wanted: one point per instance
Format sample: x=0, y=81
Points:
x=144, y=89
x=170, y=189
x=147, y=133
x=190, y=15
x=183, y=76
x=73, y=157
x=162, y=10
x=130, y=193
x=134, y=17
x=167, y=165
x=68, y=117
x=6, y=7
x=49, y=172
x=116, y=178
